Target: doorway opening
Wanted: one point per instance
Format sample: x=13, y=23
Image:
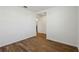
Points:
x=41, y=24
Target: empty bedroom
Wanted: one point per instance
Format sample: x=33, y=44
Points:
x=39, y=28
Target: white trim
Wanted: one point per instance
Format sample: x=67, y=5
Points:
x=49, y=38
x=18, y=40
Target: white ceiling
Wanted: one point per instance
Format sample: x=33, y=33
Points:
x=38, y=8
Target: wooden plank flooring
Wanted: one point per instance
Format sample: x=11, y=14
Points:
x=38, y=44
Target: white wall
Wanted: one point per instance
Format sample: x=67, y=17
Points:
x=78, y=28
x=16, y=23
x=42, y=24
x=62, y=24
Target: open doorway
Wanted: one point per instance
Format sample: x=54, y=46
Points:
x=41, y=24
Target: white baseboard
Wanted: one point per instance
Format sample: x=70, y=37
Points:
x=17, y=40
x=61, y=42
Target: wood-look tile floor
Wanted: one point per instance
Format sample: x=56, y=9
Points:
x=38, y=44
